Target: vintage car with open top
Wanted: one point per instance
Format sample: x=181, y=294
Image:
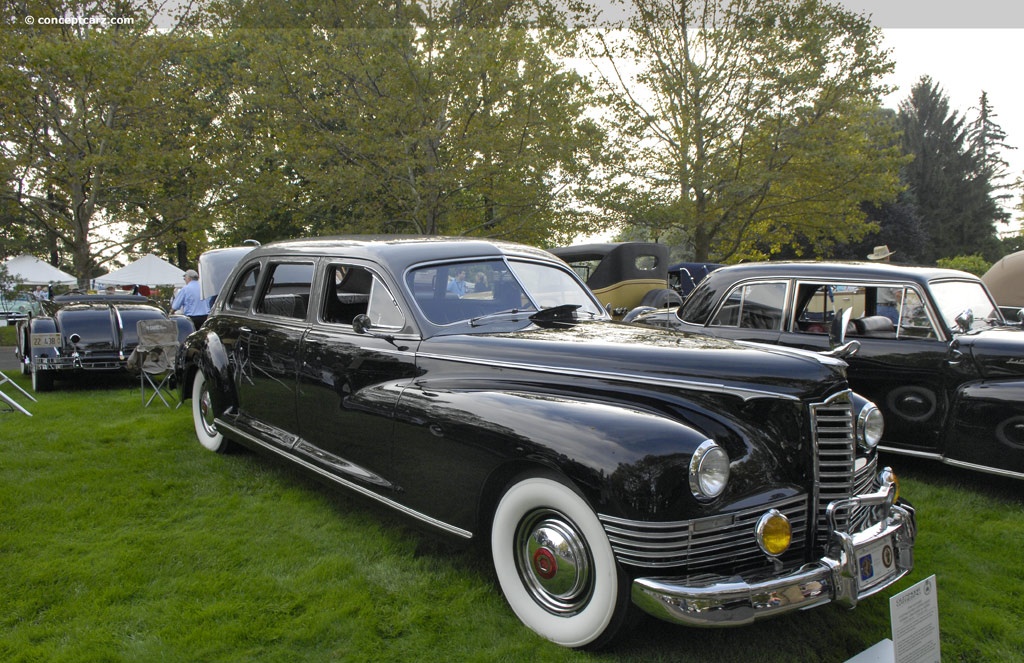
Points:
x=935, y=352
x=81, y=334
x=480, y=389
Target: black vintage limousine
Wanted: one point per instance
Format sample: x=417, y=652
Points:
x=480, y=389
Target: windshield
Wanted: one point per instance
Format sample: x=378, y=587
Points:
x=955, y=297
x=467, y=291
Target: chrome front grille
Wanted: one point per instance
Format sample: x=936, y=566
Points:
x=835, y=447
x=714, y=543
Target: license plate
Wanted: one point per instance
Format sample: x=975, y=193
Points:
x=876, y=563
x=45, y=340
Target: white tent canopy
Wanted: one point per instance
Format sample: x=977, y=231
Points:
x=33, y=271
x=147, y=270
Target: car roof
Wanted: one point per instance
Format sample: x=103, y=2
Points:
x=399, y=251
x=861, y=271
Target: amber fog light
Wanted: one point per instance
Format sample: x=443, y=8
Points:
x=774, y=533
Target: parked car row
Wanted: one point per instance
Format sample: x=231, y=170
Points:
x=482, y=390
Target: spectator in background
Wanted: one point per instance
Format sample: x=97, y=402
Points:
x=457, y=286
x=189, y=300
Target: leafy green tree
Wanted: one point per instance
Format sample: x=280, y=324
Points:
x=949, y=179
x=973, y=264
x=81, y=83
x=756, y=122
x=438, y=118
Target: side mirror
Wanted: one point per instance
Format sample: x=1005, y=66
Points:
x=965, y=320
x=361, y=324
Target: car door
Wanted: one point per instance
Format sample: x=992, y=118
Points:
x=349, y=383
x=902, y=361
x=267, y=351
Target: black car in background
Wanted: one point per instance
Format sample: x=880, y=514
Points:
x=78, y=334
x=935, y=352
x=481, y=390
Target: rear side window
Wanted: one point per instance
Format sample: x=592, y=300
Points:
x=287, y=290
x=755, y=306
x=241, y=297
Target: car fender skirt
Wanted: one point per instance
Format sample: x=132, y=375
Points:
x=735, y=601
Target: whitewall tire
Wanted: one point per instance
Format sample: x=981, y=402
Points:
x=203, y=415
x=555, y=564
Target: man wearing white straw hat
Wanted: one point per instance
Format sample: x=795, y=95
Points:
x=881, y=253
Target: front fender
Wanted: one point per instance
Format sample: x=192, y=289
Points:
x=628, y=462
x=205, y=351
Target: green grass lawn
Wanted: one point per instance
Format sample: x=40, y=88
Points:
x=122, y=540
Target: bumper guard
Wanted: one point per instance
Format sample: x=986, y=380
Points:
x=736, y=601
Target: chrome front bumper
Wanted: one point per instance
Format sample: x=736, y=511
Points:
x=838, y=576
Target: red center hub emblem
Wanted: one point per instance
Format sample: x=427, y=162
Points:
x=544, y=564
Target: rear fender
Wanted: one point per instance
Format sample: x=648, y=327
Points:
x=41, y=326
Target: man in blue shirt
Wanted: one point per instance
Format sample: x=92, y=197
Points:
x=189, y=300
x=457, y=286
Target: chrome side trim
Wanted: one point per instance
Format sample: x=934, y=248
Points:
x=451, y=529
x=741, y=392
x=1009, y=474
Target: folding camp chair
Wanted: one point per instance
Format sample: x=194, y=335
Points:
x=154, y=359
x=10, y=401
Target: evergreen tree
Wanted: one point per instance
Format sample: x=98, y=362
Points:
x=987, y=140
x=947, y=177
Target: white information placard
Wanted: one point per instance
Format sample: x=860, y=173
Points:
x=915, y=623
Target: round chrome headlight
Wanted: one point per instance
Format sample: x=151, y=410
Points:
x=709, y=471
x=870, y=426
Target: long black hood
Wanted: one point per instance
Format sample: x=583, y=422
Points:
x=610, y=351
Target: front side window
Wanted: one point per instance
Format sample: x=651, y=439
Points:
x=883, y=311
x=354, y=290
x=287, y=290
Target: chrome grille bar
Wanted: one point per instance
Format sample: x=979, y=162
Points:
x=835, y=449
x=705, y=543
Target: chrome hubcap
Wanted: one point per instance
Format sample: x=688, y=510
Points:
x=554, y=563
x=206, y=413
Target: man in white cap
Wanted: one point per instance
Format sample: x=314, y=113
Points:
x=189, y=300
x=881, y=253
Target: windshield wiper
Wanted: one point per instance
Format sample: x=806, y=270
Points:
x=509, y=313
